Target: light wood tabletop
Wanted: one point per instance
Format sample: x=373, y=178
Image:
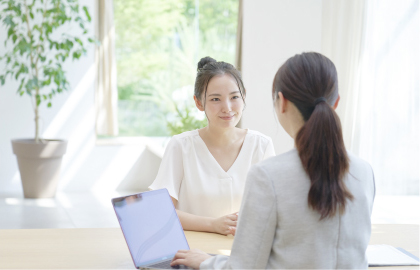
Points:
x=106, y=248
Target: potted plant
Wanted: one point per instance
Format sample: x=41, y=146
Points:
x=39, y=47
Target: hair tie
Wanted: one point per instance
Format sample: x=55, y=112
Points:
x=318, y=100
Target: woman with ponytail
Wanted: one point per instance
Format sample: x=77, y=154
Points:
x=205, y=170
x=309, y=207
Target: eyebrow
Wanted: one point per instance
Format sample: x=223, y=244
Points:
x=218, y=95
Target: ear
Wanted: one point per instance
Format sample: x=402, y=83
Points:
x=336, y=102
x=198, y=104
x=282, y=102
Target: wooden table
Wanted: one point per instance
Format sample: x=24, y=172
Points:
x=106, y=248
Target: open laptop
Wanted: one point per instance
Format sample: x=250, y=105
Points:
x=151, y=228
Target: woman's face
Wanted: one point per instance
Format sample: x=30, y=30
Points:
x=223, y=103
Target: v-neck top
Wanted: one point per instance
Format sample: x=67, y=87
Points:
x=193, y=176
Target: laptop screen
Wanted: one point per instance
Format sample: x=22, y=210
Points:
x=150, y=226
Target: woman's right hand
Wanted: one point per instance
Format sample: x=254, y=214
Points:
x=225, y=224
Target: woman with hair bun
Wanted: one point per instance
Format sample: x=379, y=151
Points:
x=309, y=207
x=204, y=170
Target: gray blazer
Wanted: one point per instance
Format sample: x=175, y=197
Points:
x=277, y=229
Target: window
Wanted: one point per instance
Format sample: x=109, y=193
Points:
x=158, y=44
x=389, y=103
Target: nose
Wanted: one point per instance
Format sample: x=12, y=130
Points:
x=227, y=106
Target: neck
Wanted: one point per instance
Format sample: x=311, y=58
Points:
x=294, y=122
x=294, y=128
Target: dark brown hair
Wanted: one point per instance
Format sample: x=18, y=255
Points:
x=309, y=81
x=207, y=68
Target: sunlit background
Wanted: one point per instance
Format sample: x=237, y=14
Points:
x=158, y=45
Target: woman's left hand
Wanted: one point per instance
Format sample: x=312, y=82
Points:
x=191, y=258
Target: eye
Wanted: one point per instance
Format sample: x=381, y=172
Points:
x=214, y=99
x=235, y=97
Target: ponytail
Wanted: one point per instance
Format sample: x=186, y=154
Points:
x=321, y=150
x=309, y=81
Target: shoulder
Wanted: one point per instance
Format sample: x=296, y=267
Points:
x=284, y=165
x=286, y=161
x=258, y=137
x=186, y=134
x=355, y=160
x=181, y=141
x=183, y=137
x=359, y=167
x=279, y=172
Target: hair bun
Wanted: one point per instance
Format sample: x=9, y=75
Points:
x=204, y=61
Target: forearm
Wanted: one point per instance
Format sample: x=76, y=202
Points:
x=192, y=222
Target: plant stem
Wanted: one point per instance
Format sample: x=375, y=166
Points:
x=36, y=76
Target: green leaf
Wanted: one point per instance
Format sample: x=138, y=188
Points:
x=32, y=15
x=46, y=82
x=69, y=44
x=10, y=32
x=17, y=10
x=38, y=100
x=87, y=13
x=2, y=79
x=49, y=105
x=20, y=86
x=8, y=20
x=21, y=93
x=76, y=55
x=79, y=41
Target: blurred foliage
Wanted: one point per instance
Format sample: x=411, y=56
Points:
x=158, y=45
x=184, y=121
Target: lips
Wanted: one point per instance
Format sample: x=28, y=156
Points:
x=226, y=117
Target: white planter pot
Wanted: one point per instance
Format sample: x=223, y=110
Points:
x=39, y=165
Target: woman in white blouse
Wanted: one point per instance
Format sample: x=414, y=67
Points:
x=309, y=207
x=205, y=170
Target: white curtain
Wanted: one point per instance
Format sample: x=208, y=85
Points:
x=106, y=94
x=375, y=47
x=388, y=109
x=238, y=52
x=343, y=28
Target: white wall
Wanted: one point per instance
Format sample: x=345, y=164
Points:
x=273, y=31
x=86, y=165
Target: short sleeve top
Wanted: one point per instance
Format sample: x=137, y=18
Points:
x=194, y=177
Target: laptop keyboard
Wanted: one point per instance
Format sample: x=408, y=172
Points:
x=167, y=265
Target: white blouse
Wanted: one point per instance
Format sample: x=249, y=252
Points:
x=194, y=177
